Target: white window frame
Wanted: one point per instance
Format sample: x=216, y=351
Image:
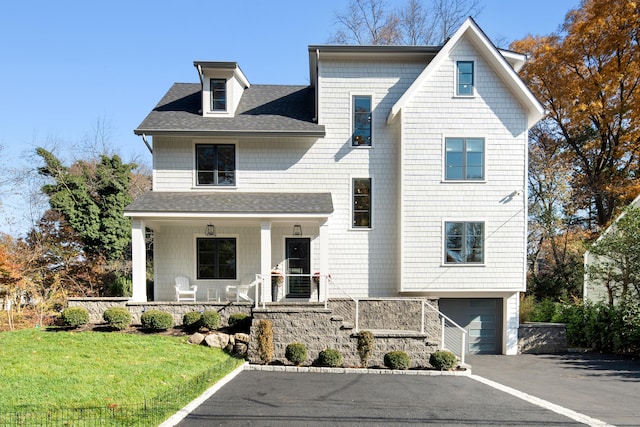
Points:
x=352, y=96
x=195, y=256
x=351, y=202
x=465, y=135
x=455, y=77
x=194, y=170
x=443, y=245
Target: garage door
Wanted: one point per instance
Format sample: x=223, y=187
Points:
x=481, y=318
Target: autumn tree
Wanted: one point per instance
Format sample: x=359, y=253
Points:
x=555, y=231
x=12, y=280
x=587, y=76
x=372, y=22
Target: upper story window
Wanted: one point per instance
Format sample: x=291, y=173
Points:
x=465, y=78
x=464, y=159
x=464, y=242
x=362, y=203
x=361, y=121
x=215, y=164
x=216, y=257
x=218, y=95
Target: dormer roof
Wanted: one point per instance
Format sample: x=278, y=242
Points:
x=264, y=110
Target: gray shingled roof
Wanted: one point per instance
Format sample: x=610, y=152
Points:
x=232, y=203
x=263, y=110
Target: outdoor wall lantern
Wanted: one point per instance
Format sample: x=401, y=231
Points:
x=210, y=230
x=297, y=230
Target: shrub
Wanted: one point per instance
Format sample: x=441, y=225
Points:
x=75, y=316
x=264, y=335
x=296, y=353
x=365, y=347
x=330, y=357
x=397, y=360
x=117, y=317
x=544, y=311
x=192, y=320
x=121, y=287
x=239, y=320
x=156, y=320
x=210, y=319
x=443, y=360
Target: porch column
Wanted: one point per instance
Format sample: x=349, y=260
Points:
x=323, y=292
x=138, y=261
x=265, y=260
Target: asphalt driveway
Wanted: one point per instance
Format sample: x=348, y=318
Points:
x=524, y=390
x=604, y=387
x=261, y=398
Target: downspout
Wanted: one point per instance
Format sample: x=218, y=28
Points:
x=144, y=138
x=201, y=77
x=316, y=118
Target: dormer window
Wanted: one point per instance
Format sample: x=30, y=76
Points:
x=218, y=95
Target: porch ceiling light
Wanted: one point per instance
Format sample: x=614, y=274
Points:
x=210, y=230
x=297, y=230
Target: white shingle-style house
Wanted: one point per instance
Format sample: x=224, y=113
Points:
x=399, y=171
x=594, y=289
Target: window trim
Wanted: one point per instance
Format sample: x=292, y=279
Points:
x=352, y=98
x=474, y=74
x=196, y=263
x=226, y=95
x=464, y=137
x=446, y=263
x=194, y=156
x=352, y=201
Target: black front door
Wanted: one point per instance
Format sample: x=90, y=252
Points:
x=298, y=255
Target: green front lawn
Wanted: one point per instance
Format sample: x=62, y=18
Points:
x=45, y=369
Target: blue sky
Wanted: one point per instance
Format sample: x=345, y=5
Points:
x=67, y=64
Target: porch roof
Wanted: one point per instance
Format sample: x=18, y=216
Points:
x=157, y=203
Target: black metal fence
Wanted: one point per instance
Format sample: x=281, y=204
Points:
x=150, y=412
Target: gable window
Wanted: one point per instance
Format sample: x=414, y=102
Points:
x=465, y=78
x=361, y=121
x=464, y=242
x=464, y=159
x=215, y=164
x=218, y=95
x=362, y=203
x=216, y=258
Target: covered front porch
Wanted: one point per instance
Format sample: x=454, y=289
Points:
x=257, y=247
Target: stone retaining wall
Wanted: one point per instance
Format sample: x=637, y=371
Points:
x=542, y=338
x=395, y=324
x=97, y=306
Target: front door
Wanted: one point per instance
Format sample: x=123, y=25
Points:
x=298, y=271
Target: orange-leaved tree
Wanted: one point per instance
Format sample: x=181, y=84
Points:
x=587, y=75
x=12, y=281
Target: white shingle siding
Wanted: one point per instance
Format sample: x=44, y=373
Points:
x=371, y=262
x=432, y=115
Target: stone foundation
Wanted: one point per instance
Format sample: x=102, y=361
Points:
x=542, y=338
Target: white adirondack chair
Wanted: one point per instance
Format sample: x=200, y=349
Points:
x=184, y=291
x=240, y=292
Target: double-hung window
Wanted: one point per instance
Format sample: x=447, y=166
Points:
x=218, y=94
x=215, y=164
x=464, y=159
x=361, y=203
x=465, y=78
x=361, y=135
x=216, y=257
x=464, y=242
